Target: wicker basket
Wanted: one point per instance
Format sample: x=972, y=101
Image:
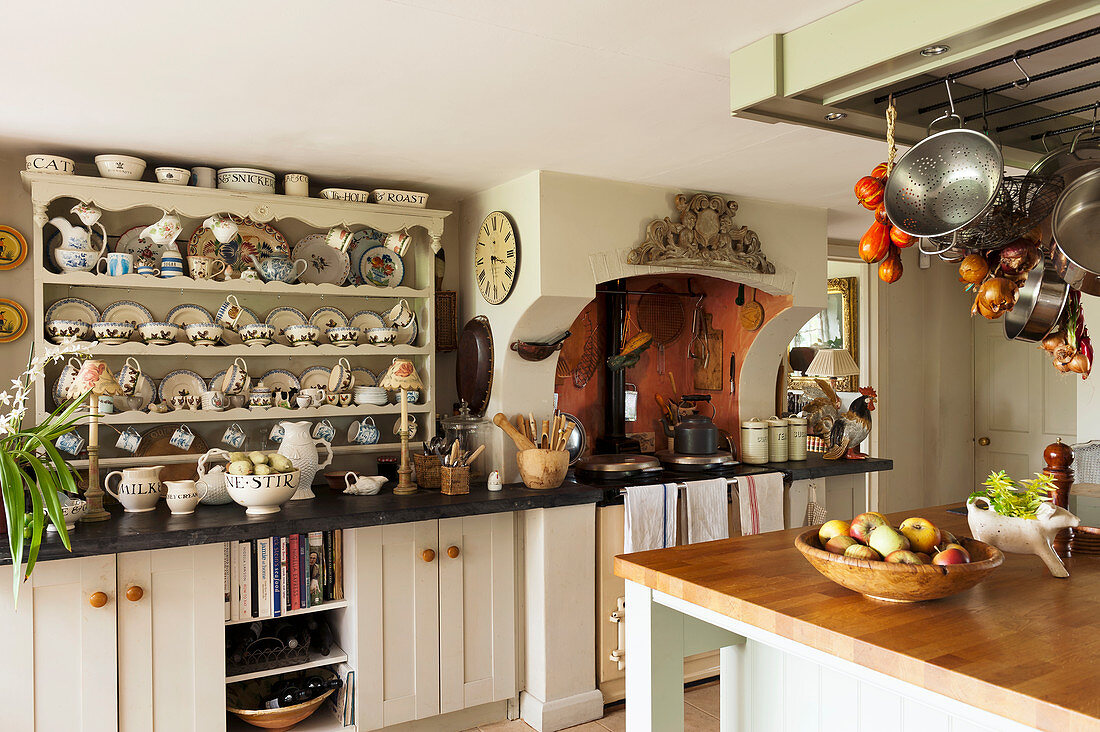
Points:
x=446, y=321
x=455, y=481
x=427, y=470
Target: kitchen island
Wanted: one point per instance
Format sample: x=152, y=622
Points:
x=800, y=652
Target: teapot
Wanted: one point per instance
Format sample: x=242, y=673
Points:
x=696, y=434
x=278, y=267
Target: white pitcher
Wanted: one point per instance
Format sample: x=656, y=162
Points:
x=139, y=489
x=301, y=448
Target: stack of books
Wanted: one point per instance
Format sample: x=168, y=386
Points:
x=266, y=578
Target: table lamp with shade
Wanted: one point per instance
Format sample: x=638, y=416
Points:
x=94, y=379
x=401, y=376
x=833, y=363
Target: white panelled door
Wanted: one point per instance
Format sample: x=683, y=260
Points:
x=1021, y=403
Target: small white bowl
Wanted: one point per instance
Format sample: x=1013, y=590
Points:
x=301, y=335
x=203, y=334
x=71, y=512
x=112, y=333
x=40, y=163
x=158, y=333
x=124, y=167
x=261, y=494
x=343, y=335
x=173, y=176
x=413, y=199
x=346, y=194
x=60, y=331
x=247, y=180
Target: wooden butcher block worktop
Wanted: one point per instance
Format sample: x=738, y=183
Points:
x=1021, y=644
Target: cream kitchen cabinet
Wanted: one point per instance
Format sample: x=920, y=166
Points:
x=434, y=617
x=130, y=642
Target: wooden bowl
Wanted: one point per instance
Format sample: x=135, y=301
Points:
x=542, y=470
x=251, y=694
x=901, y=582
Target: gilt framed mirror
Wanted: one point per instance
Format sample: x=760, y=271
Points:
x=837, y=326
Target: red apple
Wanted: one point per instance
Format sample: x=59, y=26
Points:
x=829, y=529
x=903, y=556
x=925, y=557
x=858, y=551
x=960, y=547
x=953, y=555
x=921, y=533
x=838, y=544
x=864, y=524
x=887, y=539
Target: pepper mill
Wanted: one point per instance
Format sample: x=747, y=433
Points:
x=1058, y=457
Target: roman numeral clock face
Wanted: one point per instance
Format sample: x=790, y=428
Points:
x=496, y=258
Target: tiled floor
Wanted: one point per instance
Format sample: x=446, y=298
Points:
x=700, y=715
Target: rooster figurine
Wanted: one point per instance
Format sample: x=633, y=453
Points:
x=852, y=427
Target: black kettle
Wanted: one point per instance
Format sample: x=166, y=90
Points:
x=696, y=434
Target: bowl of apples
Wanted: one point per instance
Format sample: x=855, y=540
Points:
x=912, y=562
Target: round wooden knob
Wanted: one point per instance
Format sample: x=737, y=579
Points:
x=134, y=593
x=452, y=552
x=427, y=555
x=98, y=599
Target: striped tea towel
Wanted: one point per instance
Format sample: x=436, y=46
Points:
x=650, y=517
x=761, y=498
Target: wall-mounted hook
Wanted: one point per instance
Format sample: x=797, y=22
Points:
x=1026, y=81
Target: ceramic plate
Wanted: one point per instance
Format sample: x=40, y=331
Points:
x=280, y=380
x=362, y=241
x=363, y=377
x=73, y=308
x=231, y=336
x=365, y=319
x=382, y=267
x=254, y=238
x=140, y=248
x=407, y=335
x=146, y=390
x=282, y=318
x=315, y=376
x=323, y=263
x=127, y=311
x=186, y=314
x=325, y=318
x=179, y=382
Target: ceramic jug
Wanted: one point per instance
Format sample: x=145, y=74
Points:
x=171, y=262
x=139, y=489
x=72, y=237
x=164, y=231
x=182, y=496
x=223, y=227
x=278, y=267
x=301, y=448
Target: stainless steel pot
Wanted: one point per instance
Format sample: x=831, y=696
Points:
x=1039, y=306
x=1076, y=226
x=1070, y=161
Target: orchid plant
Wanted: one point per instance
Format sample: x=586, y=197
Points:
x=31, y=464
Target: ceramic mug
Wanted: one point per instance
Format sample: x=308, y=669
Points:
x=229, y=312
x=214, y=400
x=277, y=432
x=399, y=315
x=70, y=442
x=398, y=242
x=178, y=402
x=136, y=496
x=316, y=395
x=183, y=496
x=235, y=377
x=106, y=404
x=363, y=433
x=129, y=375
x=296, y=184
x=171, y=263
x=182, y=437
x=164, y=231
x=116, y=264
x=233, y=435
x=204, y=177
x=324, y=430
x=339, y=237
x=147, y=269
x=412, y=427
x=204, y=268
x=128, y=440
x=222, y=227
x=340, y=378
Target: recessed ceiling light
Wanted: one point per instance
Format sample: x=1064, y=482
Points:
x=834, y=116
x=934, y=50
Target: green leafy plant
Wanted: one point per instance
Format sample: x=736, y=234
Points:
x=1019, y=499
x=31, y=465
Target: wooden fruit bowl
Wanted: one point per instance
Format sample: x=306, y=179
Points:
x=901, y=582
x=244, y=698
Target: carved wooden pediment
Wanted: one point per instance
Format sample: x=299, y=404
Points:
x=704, y=237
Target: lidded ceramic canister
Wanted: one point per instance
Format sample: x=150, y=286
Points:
x=777, y=440
x=797, y=427
x=754, y=442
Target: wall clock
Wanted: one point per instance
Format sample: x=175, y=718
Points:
x=13, y=320
x=496, y=258
x=13, y=248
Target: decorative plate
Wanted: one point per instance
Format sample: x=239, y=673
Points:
x=127, y=311
x=73, y=308
x=280, y=380
x=323, y=263
x=13, y=320
x=186, y=314
x=13, y=248
x=253, y=237
x=363, y=377
x=315, y=376
x=361, y=241
x=381, y=266
x=365, y=319
x=407, y=335
x=140, y=248
x=146, y=389
x=214, y=384
x=327, y=317
x=282, y=318
x=231, y=336
x=178, y=382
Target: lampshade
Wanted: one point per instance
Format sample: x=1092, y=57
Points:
x=401, y=375
x=93, y=377
x=833, y=362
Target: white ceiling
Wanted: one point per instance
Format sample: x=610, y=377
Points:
x=451, y=96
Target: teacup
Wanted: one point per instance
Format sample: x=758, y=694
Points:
x=229, y=312
x=324, y=430
x=59, y=331
x=303, y=335
x=214, y=400
x=235, y=377
x=399, y=315
x=381, y=336
x=116, y=264
x=70, y=442
x=364, y=433
x=339, y=237
x=332, y=399
x=204, y=268
x=129, y=375
x=68, y=376
x=233, y=435
x=223, y=227
x=316, y=395
x=203, y=334
x=340, y=378
x=148, y=270
x=343, y=335
x=112, y=333
x=302, y=401
x=260, y=334
x=183, y=496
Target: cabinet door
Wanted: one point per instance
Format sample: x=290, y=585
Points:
x=476, y=610
x=59, y=656
x=397, y=604
x=171, y=640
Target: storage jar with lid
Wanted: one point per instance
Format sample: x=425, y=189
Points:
x=469, y=430
x=754, y=442
x=777, y=440
x=797, y=428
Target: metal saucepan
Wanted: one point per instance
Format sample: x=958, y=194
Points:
x=1070, y=161
x=1076, y=226
x=1039, y=307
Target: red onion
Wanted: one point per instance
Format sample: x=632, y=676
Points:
x=1019, y=257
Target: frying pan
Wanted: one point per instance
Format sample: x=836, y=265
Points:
x=474, y=364
x=1039, y=307
x=1076, y=225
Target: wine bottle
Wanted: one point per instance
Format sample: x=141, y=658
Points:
x=288, y=634
x=317, y=686
x=320, y=636
x=285, y=694
x=243, y=637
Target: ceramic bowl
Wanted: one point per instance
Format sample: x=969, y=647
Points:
x=901, y=582
x=112, y=333
x=126, y=167
x=39, y=163
x=346, y=194
x=74, y=260
x=173, y=176
x=301, y=335
x=66, y=330
x=246, y=700
x=249, y=180
x=343, y=335
x=261, y=494
x=71, y=512
x=158, y=333
x=380, y=336
x=413, y=199
x=203, y=334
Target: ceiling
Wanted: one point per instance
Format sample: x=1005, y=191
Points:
x=444, y=96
